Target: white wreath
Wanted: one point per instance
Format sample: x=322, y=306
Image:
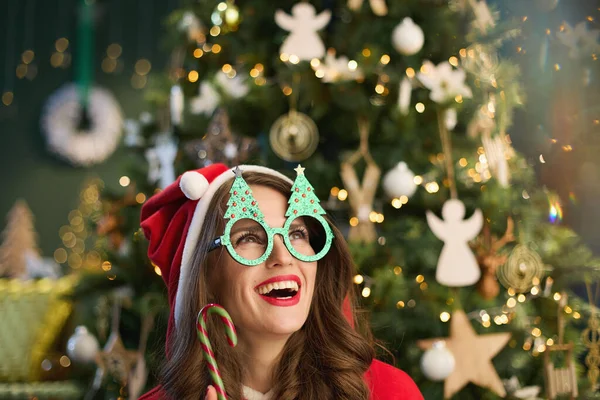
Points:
x=61, y=117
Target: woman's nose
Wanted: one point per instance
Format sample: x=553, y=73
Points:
x=280, y=255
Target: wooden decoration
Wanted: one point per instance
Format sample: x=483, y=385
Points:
x=560, y=381
x=18, y=239
x=361, y=195
x=473, y=354
x=489, y=258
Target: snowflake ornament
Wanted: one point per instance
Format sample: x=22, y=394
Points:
x=235, y=87
x=444, y=82
x=580, y=41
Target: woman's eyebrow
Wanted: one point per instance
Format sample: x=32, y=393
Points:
x=249, y=228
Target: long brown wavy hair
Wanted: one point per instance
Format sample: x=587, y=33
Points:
x=325, y=359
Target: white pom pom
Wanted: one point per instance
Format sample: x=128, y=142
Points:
x=399, y=181
x=193, y=185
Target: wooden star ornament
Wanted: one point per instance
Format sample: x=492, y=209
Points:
x=473, y=355
x=115, y=360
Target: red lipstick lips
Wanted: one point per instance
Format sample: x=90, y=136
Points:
x=280, y=302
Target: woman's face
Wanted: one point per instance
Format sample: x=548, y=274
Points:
x=274, y=297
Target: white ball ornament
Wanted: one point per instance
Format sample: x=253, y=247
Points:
x=438, y=362
x=408, y=37
x=399, y=181
x=82, y=346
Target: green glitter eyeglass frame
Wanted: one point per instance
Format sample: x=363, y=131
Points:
x=301, y=208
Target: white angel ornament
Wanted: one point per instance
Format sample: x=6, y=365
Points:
x=457, y=265
x=303, y=24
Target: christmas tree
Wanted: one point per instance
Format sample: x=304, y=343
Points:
x=19, y=239
x=421, y=84
x=303, y=196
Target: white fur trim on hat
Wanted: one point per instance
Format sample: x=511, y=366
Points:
x=193, y=184
x=198, y=221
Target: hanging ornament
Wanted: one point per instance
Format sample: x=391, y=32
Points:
x=18, y=238
x=82, y=346
x=207, y=100
x=190, y=24
x=523, y=267
x=496, y=152
x=489, y=258
x=474, y=363
x=451, y=118
x=404, y=95
x=457, y=265
x=165, y=151
x=339, y=69
x=514, y=389
x=176, y=103
x=591, y=340
x=444, y=82
x=560, y=381
x=437, y=362
x=226, y=16
x=82, y=135
x=408, y=37
x=399, y=181
x=361, y=195
x=232, y=84
x=378, y=6
x=220, y=144
x=294, y=136
x=303, y=24
x=132, y=130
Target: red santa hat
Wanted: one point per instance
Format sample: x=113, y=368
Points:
x=172, y=221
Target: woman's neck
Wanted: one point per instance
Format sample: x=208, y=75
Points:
x=259, y=358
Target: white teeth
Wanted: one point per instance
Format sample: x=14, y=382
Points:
x=264, y=289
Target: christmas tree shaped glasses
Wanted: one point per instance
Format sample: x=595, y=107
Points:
x=249, y=239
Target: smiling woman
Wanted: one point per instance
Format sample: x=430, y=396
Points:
x=284, y=274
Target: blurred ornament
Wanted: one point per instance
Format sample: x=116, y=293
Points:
x=408, y=37
x=560, y=381
x=294, y=136
x=161, y=159
x=457, y=266
x=361, y=194
x=496, y=152
x=339, y=69
x=590, y=337
x=234, y=86
x=580, y=41
x=404, y=95
x=483, y=16
x=437, y=362
x=481, y=61
x=399, y=181
x=176, y=103
x=227, y=16
x=115, y=360
x=476, y=352
x=444, y=82
x=521, y=269
x=82, y=346
x=138, y=377
x=481, y=124
x=190, y=24
x=207, y=100
x=378, y=6
x=82, y=135
x=220, y=144
x=514, y=389
x=546, y=5
x=132, y=133
x=450, y=118
x=487, y=247
x=303, y=41
x=18, y=239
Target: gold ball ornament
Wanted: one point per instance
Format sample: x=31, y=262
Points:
x=294, y=136
x=521, y=269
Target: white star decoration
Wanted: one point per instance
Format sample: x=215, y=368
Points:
x=444, y=82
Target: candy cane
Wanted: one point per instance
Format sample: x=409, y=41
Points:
x=207, y=348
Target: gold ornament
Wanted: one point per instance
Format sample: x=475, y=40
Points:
x=473, y=354
x=115, y=360
x=294, y=136
x=523, y=267
x=591, y=339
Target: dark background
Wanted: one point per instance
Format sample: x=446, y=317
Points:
x=51, y=187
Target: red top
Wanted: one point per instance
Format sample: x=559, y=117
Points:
x=384, y=381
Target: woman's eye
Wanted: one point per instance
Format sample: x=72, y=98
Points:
x=246, y=239
x=299, y=234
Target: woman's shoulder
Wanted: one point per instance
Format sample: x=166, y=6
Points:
x=390, y=383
